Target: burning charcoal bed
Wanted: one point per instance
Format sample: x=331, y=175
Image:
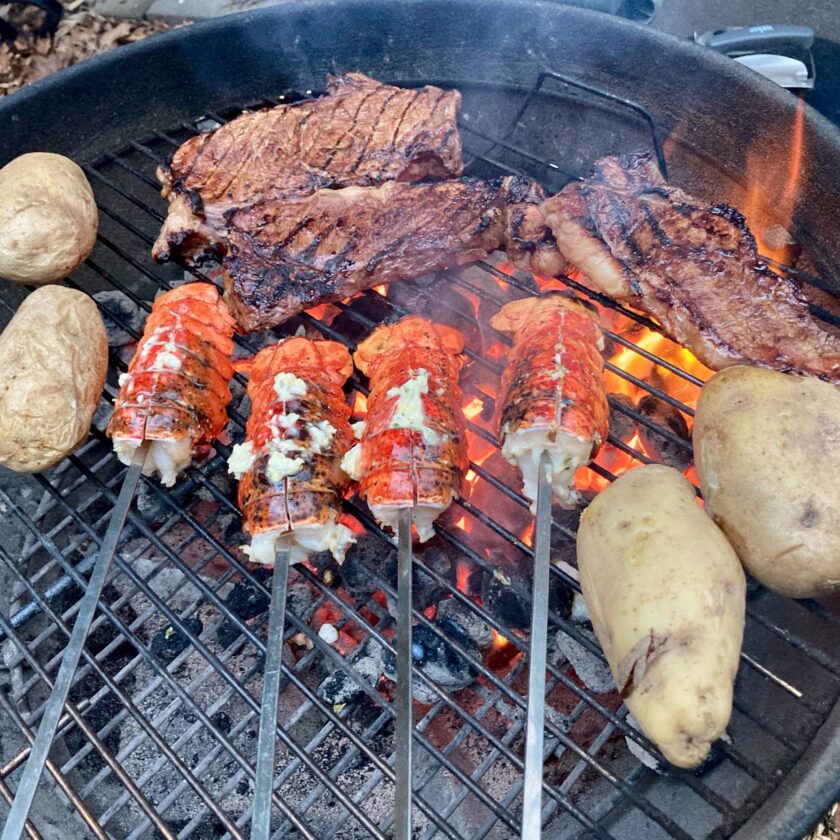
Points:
x=161, y=736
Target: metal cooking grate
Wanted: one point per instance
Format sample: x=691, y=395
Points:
x=163, y=746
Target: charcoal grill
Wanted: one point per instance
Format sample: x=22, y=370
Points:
x=162, y=744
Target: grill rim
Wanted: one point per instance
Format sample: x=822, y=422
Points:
x=145, y=56
x=785, y=810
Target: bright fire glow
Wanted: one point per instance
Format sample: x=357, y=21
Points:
x=473, y=408
x=499, y=641
x=773, y=189
x=462, y=575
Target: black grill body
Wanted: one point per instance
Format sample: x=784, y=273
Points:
x=159, y=741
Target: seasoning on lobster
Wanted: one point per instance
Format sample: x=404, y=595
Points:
x=553, y=394
x=412, y=451
x=289, y=467
x=176, y=390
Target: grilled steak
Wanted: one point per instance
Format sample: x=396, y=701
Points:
x=694, y=267
x=361, y=133
x=288, y=255
x=529, y=240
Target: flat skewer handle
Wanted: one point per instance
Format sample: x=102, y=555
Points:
x=19, y=813
x=532, y=789
x=264, y=781
x=405, y=718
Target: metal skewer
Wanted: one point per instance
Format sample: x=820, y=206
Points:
x=25, y=794
x=264, y=782
x=532, y=789
x=405, y=718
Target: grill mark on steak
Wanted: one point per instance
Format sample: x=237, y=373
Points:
x=404, y=114
x=650, y=218
x=361, y=133
x=692, y=266
x=372, y=131
x=288, y=254
x=359, y=239
x=350, y=128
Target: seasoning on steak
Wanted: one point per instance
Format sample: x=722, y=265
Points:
x=361, y=133
x=694, y=267
x=288, y=255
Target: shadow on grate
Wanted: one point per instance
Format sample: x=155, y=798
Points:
x=160, y=739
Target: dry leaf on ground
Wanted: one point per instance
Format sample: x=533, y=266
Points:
x=80, y=35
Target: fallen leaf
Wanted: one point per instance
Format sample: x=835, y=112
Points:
x=121, y=30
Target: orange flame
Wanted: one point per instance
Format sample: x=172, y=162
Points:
x=773, y=189
x=499, y=641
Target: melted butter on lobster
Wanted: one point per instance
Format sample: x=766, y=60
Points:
x=553, y=395
x=289, y=467
x=412, y=451
x=175, y=392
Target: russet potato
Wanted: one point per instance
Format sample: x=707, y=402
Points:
x=48, y=218
x=53, y=362
x=666, y=595
x=767, y=451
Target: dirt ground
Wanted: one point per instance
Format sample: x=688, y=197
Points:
x=829, y=827
x=80, y=35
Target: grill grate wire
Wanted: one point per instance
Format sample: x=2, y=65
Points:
x=59, y=551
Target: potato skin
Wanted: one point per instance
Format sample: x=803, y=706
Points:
x=767, y=452
x=53, y=361
x=48, y=218
x=666, y=595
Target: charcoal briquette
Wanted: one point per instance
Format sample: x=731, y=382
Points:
x=171, y=641
x=474, y=626
x=593, y=672
x=438, y=659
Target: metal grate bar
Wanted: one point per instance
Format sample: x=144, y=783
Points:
x=178, y=510
x=221, y=606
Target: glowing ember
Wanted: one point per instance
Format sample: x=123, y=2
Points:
x=499, y=641
x=462, y=576
x=473, y=408
x=360, y=406
x=324, y=312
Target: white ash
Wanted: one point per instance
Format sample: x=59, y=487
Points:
x=560, y=720
x=646, y=758
x=126, y=311
x=593, y=672
x=328, y=633
x=580, y=613
x=301, y=599
x=340, y=687
x=477, y=629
